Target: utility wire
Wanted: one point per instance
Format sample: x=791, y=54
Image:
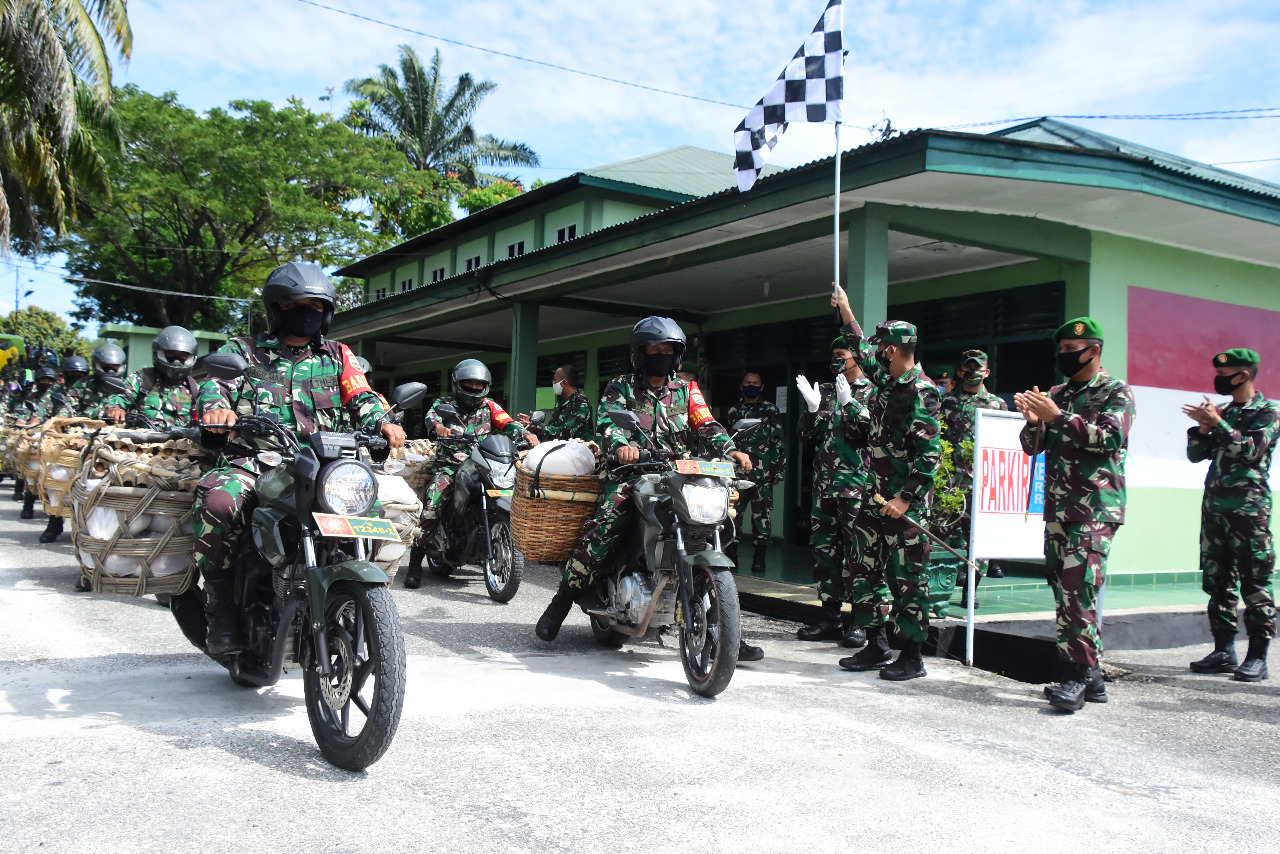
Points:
x=157, y=290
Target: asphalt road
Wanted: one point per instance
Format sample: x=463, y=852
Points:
x=115, y=735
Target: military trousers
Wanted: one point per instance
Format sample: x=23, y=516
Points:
x=1075, y=557
x=600, y=535
x=224, y=504
x=890, y=581
x=835, y=549
x=1237, y=554
x=760, y=503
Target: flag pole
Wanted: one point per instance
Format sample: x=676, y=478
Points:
x=835, y=276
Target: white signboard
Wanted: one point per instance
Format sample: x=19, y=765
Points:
x=1002, y=526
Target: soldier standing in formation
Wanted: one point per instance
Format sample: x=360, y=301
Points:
x=958, y=419
x=572, y=418
x=768, y=452
x=839, y=481
x=904, y=448
x=1236, y=548
x=1082, y=426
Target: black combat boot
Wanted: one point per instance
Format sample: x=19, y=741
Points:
x=1095, y=688
x=28, y=507
x=855, y=636
x=830, y=627
x=874, y=655
x=413, y=572
x=223, y=632
x=747, y=652
x=19, y=487
x=557, y=609
x=1254, y=668
x=994, y=570
x=52, y=530
x=910, y=664
x=1223, y=657
x=1069, y=696
x=964, y=591
x=757, y=559
x=731, y=552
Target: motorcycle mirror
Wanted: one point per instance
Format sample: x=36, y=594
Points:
x=225, y=366
x=446, y=412
x=538, y=417
x=114, y=385
x=625, y=419
x=743, y=425
x=408, y=395
x=198, y=371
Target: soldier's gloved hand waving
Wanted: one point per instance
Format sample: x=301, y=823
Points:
x=844, y=394
x=812, y=397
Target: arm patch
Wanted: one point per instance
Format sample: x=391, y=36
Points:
x=699, y=412
x=354, y=381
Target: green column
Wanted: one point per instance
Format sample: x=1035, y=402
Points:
x=867, y=279
x=592, y=379
x=524, y=356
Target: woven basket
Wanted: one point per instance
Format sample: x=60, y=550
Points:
x=548, y=512
x=417, y=473
x=119, y=486
x=9, y=447
x=389, y=556
x=61, y=442
x=26, y=455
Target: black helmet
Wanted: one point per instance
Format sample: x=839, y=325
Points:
x=173, y=339
x=470, y=369
x=75, y=365
x=45, y=373
x=38, y=356
x=363, y=364
x=296, y=280
x=656, y=330
x=108, y=361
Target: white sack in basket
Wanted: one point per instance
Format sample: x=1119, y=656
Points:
x=170, y=564
x=389, y=552
x=569, y=458
x=393, y=489
x=59, y=473
x=161, y=523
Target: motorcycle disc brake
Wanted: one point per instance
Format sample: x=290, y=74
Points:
x=336, y=690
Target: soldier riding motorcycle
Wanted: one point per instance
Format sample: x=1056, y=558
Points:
x=164, y=393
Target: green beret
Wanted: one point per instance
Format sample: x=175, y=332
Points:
x=689, y=367
x=943, y=372
x=895, y=332
x=1079, y=327
x=1238, y=357
x=838, y=343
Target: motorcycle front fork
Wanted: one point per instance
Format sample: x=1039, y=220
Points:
x=317, y=620
x=488, y=540
x=685, y=573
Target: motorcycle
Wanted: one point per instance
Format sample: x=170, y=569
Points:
x=306, y=591
x=475, y=521
x=670, y=569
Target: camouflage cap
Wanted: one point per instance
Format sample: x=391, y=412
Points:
x=1238, y=357
x=974, y=356
x=1079, y=327
x=943, y=372
x=894, y=332
x=838, y=343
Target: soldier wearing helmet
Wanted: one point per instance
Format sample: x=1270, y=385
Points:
x=81, y=394
x=164, y=393
x=679, y=420
x=479, y=415
x=310, y=384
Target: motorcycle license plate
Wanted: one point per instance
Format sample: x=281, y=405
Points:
x=332, y=525
x=705, y=468
x=498, y=493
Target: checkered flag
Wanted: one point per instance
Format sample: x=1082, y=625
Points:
x=809, y=89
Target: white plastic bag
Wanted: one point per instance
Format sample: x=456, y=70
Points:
x=102, y=523
x=120, y=565
x=139, y=524
x=59, y=473
x=170, y=564
x=562, y=457
x=390, y=552
x=392, y=489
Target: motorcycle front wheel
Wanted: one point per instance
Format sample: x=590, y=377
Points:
x=709, y=636
x=354, y=712
x=502, y=574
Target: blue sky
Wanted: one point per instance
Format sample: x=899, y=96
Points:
x=928, y=63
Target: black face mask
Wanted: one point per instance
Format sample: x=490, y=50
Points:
x=837, y=366
x=971, y=377
x=658, y=364
x=301, y=321
x=1071, y=363
x=1224, y=385
x=751, y=392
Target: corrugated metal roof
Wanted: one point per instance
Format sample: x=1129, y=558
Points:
x=1054, y=132
x=685, y=169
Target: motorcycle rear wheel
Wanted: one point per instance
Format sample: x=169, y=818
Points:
x=709, y=636
x=502, y=576
x=355, y=711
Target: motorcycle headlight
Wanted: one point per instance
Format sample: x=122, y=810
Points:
x=347, y=488
x=707, y=504
x=504, y=477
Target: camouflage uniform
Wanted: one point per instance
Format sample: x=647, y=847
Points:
x=34, y=394
x=766, y=445
x=481, y=421
x=839, y=484
x=903, y=448
x=571, y=419
x=958, y=421
x=675, y=416
x=85, y=399
x=164, y=403
x=1235, y=519
x=309, y=389
x=1084, y=497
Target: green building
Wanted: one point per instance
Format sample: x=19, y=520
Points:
x=986, y=241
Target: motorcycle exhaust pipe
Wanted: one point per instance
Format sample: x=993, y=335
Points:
x=270, y=675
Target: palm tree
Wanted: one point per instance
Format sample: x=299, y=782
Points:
x=55, y=92
x=432, y=127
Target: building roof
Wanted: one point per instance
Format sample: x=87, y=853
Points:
x=686, y=170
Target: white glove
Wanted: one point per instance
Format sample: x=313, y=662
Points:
x=809, y=392
x=844, y=394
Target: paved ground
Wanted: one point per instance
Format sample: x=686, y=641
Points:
x=116, y=736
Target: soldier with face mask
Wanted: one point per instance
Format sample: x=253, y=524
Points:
x=572, y=418
x=164, y=393
x=767, y=448
x=1236, y=548
x=86, y=396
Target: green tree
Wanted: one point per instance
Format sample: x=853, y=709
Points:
x=41, y=328
x=416, y=204
x=55, y=108
x=208, y=205
x=411, y=107
x=479, y=198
